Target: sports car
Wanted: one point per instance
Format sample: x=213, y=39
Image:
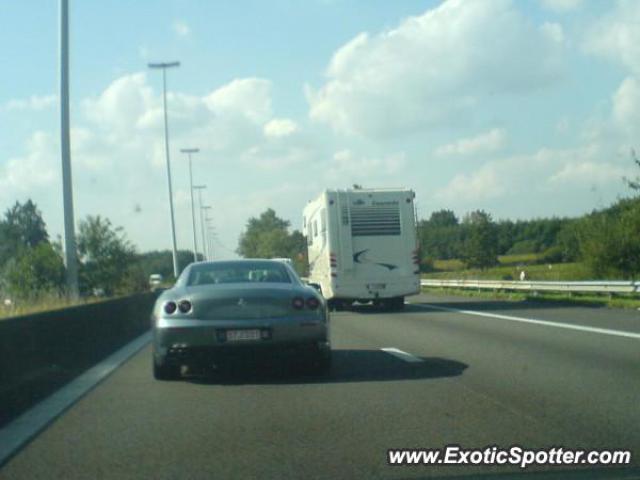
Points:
x=219, y=309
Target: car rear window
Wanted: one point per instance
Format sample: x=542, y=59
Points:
x=245, y=272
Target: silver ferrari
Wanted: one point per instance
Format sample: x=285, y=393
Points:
x=222, y=308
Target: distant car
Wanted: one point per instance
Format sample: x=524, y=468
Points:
x=155, y=281
x=220, y=309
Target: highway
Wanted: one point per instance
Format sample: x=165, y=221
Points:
x=475, y=378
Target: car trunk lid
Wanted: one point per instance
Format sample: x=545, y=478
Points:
x=241, y=302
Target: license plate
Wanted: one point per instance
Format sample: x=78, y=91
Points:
x=377, y=286
x=242, y=335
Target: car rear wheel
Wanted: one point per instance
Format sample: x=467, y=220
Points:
x=162, y=371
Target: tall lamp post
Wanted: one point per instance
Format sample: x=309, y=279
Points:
x=203, y=212
x=163, y=66
x=210, y=234
x=189, y=151
x=199, y=188
x=71, y=259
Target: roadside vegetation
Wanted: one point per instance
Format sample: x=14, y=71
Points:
x=510, y=269
x=601, y=245
x=613, y=301
x=32, y=271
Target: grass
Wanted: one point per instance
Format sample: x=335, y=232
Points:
x=455, y=264
x=509, y=269
x=44, y=304
x=617, y=301
x=557, y=272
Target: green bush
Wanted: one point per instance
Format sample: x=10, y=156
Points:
x=524, y=246
x=427, y=265
x=609, y=241
x=552, y=255
x=35, y=272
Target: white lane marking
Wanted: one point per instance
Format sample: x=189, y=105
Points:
x=568, y=326
x=17, y=433
x=407, y=357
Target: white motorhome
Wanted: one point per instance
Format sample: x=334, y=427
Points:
x=362, y=246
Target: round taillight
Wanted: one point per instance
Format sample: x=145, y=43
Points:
x=184, y=306
x=297, y=303
x=170, y=307
x=312, y=303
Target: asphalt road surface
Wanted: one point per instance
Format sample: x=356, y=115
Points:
x=475, y=379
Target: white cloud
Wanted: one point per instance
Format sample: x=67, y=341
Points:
x=250, y=97
x=589, y=173
x=345, y=165
x=37, y=169
x=626, y=104
x=478, y=186
x=528, y=178
x=553, y=31
x=280, y=127
x=617, y=37
x=433, y=67
x=34, y=103
x=561, y=6
x=121, y=104
x=181, y=28
x=487, y=142
x=118, y=157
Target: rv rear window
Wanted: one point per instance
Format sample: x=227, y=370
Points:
x=375, y=220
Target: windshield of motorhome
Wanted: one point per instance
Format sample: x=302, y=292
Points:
x=334, y=239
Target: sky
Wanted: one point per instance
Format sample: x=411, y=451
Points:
x=522, y=108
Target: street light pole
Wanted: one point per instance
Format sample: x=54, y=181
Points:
x=71, y=259
x=210, y=234
x=164, y=66
x=200, y=188
x=189, y=151
x=203, y=210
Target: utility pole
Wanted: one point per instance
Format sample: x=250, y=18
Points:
x=189, y=151
x=70, y=253
x=163, y=66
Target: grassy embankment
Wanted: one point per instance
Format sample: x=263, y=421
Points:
x=42, y=304
x=510, y=268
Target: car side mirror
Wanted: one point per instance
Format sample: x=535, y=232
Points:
x=316, y=286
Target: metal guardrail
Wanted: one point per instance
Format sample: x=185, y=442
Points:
x=531, y=286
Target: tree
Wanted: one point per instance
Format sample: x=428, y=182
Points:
x=36, y=271
x=609, y=241
x=106, y=255
x=442, y=218
x=481, y=244
x=268, y=237
x=162, y=262
x=634, y=184
x=264, y=237
x=22, y=227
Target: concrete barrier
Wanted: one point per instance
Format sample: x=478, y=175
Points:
x=42, y=351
